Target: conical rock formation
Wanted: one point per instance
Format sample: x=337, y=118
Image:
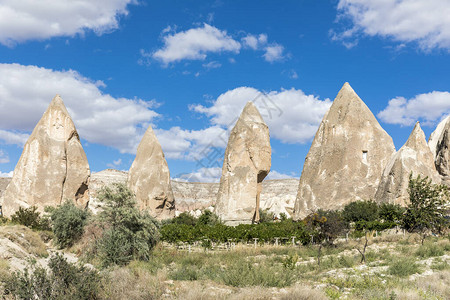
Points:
x=346, y=158
x=246, y=164
x=149, y=178
x=414, y=157
x=53, y=166
x=439, y=144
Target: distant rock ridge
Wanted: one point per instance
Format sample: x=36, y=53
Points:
x=439, y=144
x=414, y=157
x=346, y=158
x=149, y=178
x=53, y=166
x=246, y=163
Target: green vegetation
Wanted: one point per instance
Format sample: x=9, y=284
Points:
x=68, y=223
x=63, y=281
x=31, y=218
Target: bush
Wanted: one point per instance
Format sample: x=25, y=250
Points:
x=63, y=281
x=391, y=212
x=31, y=218
x=403, y=267
x=208, y=218
x=265, y=216
x=129, y=234
x=185, y=218
x=360, y=211
x=68, y=223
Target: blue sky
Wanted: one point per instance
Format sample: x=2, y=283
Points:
x=187, y=68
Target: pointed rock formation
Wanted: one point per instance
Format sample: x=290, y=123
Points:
x=149, y=178
x=346, y=158
x=439, y=144
x=246, y=164
x=415, y=156
x=53, y=166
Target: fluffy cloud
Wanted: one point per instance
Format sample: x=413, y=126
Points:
x=426, y=22
x=9, y=174
x=201, y=175
x=26, y=91
x=428, y=108
x=22, y=20
x=193, y=145
x=292, y=116
x=195, y=43
x=277, y=175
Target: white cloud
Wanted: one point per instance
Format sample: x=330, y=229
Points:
x=426, y=22
x=26, y=91
x=428, y=107
x=9, y=174
x=22, y=20
x=115, y=163
x=194, y=145
x=195, y=43
x=292, y=116
x=255, y=42
x=212, y=65
x=277, y=175
x=4, y=158
x=274, y=53
x=201, y=175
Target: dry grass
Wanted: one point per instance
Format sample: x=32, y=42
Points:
x=437, y=284
x=28, y=239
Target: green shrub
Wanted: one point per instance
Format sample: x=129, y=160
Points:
x=208, y=218
x=403, y=267
x=68, y=223
x=63, y=281
x=31, y=218
x=430, y=250
x=391, y=212
x=360, y=211
x=265, y=216
x=185, y=218
x=129, y=234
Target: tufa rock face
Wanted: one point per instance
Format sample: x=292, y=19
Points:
x=439, y=144
x=53, y=166
x=415, y=156
x=246, y=164
x=346, y=158
x=149, y=178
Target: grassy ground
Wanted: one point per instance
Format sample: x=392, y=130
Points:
x=396, y=267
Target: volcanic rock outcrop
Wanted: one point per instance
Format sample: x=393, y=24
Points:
x=53, y=166
x=414, y=157
x=246, y=164
x=439, y=144
x=149, y=178
x=346, y=158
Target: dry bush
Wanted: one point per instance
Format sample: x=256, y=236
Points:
x=302, y=292
x=124, y=283
x=86, y=244
x=438, y=284
x=28, y=239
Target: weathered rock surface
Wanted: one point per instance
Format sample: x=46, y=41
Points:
x=53, y=166
x=415, y=156
x=246, y=164
x=439, y=144
x=149, y=178
x=277, y=195
x=346, y=158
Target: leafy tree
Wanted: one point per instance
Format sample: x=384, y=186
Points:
x=391, y=212
x=68, y=223
x=426, y=210
x=265, y=216
x=208, y=218
x=31, y=218
x=185, y=218
x=129, y=233
x=360, y=211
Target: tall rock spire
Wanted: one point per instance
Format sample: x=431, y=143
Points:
x=439, y=144
x=414, y=157
x=346, y=158
x=246, y=164
x=53, y=166
x=149, y=178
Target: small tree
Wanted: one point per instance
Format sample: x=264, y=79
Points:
x=68, y=223
x=31, y=218
x=360, y=211
x=426, y=211
x=129, y=233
